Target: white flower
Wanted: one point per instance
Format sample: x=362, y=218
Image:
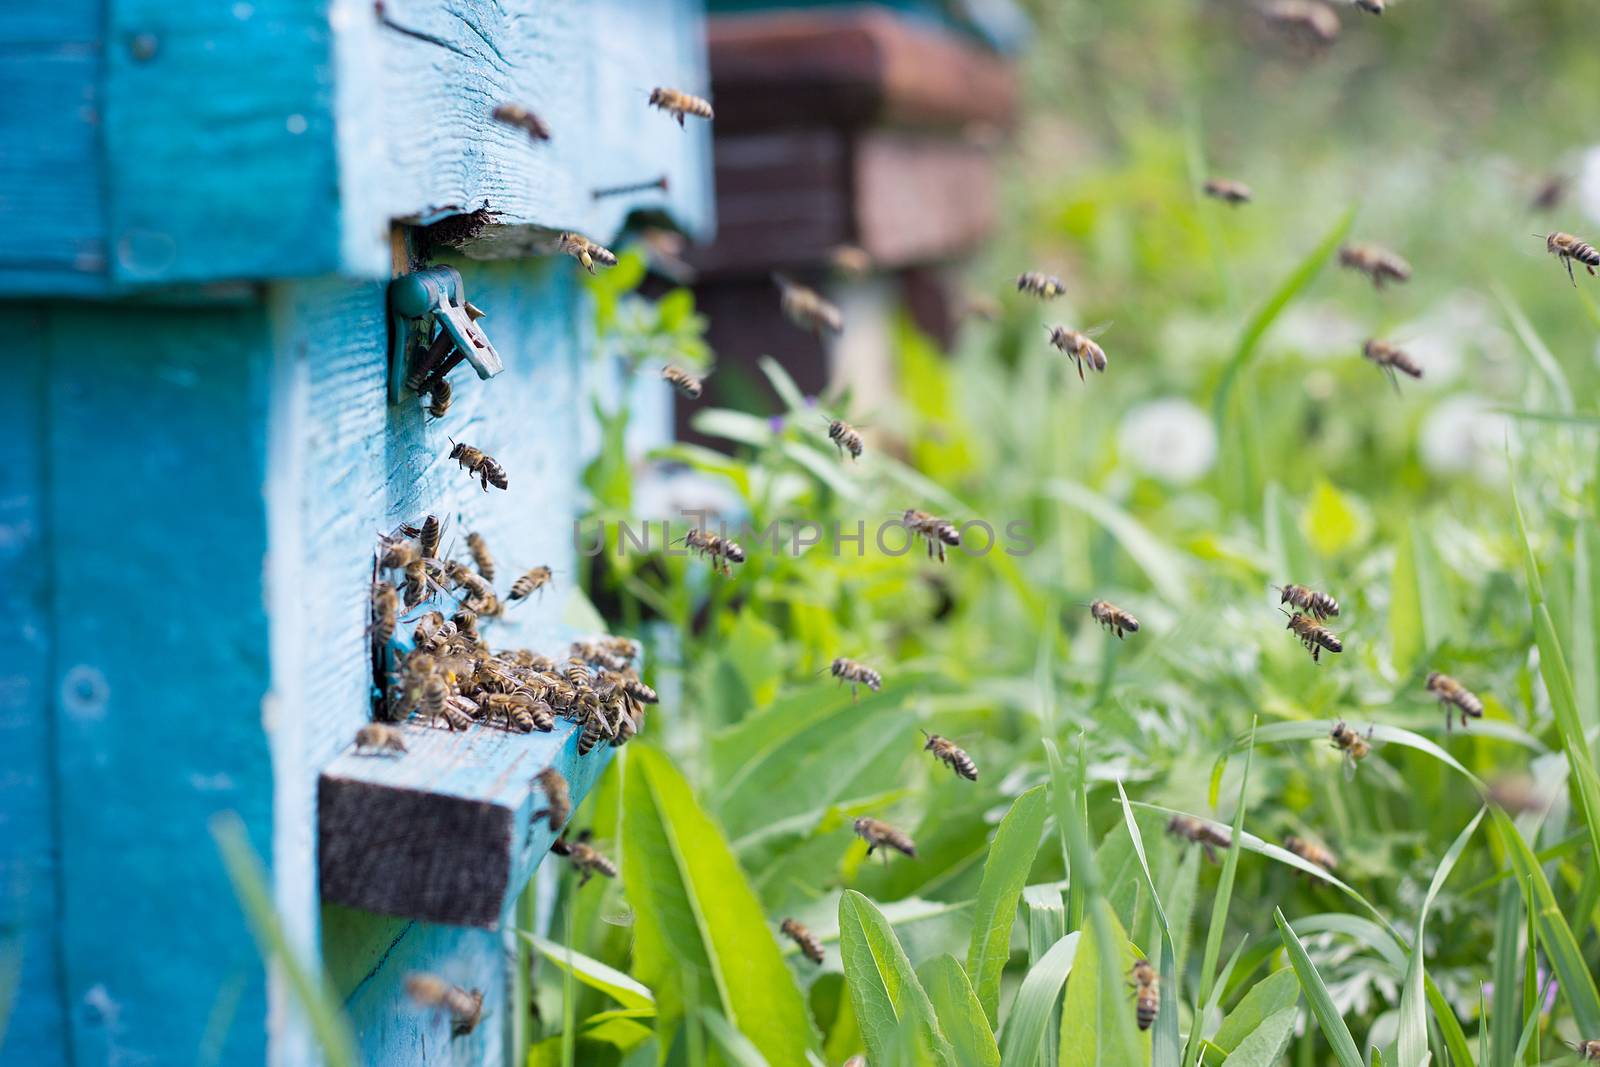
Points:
x=1169, y=439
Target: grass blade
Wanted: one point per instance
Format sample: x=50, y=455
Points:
x=1413, y=1038
x=1164, y=1048
x=1036, y=999
x=594, y=974
x=1005, y=872
x=1322, y=1007
x=1503, y=1015
x=1068, y=812
x=1167, y=570
x=883, y=988
x=1317, y=729
x=1542, y=356
x=1097, y=1019
x=960, y=1015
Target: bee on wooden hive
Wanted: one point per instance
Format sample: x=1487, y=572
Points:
x=385, y=612
x=523, y=119
x=431, y=991
x=1113, y=618
x=937, y=531
x=435, y=703
x=1043, y=286
x=1202, y=833
x=379, y=737
x=1453, y=695
x=848, y=670
x=720, y=550
x=1391, y=358
x=1314, y=636
x=851, y=261
x=1567, y=248
x=1080, y=347
x=1355, y=746
x=533, y=580
x=478, y=590
x=585, y=251
x=1309, y=23
x=429, y=535
x=479, y=464
x=1146, y=992
x=1311, y=852
x=636, y=688
x=439, y=398
x=810, y=944
x=685, y=383
x=480, y=555
x=1228, y=191
x=1307, y=600
x=417, y=583
x=584, y=857
x=678, y=104
x=1378, y=264
x=946, y=751
x=807, y=308
x=881, y=835
x=557, y=798
x=429, y=629
x=846, y=438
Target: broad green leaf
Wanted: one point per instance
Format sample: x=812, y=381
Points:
x=1322, y=1006
x=1333, y=521
x=700, y=936
x=1035, y=1001
x=1005, y=872
x=1097, y=1020
x=960, y=1015
x=1264, y=1045
x=1412, y=1047
x=594, y=974
x=883, y=988
x=738, y=1048
x=782, y=384
x=1317, y=730
x=1278, y=991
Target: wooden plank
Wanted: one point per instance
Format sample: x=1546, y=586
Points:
x=921, y=199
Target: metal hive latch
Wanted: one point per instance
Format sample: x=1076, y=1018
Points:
x=433, y=327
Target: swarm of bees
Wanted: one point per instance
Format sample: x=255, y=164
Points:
x=1228, y=191
x=810, y=945
x=432, y=992
x=678, y=104
x=1147, y=995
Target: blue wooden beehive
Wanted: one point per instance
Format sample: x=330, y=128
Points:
x=198, y=208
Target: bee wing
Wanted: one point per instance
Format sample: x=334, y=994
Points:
x=1099, y=328
x=1349, y=767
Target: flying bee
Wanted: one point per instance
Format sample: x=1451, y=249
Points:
x=1355, y=746
x=1043, y=286
x=1314, y=636
x=1311, y=852
x=1228, y=191
x=523, y=119
x=480, y=555
x=478, y=464
x=1113, y=618
x=1587, y=1050
x=1391, y=358
x=719, y=549
x=1147, y=992
x=848, y=670
x=810, y=944
x=1378, y=264
x=678, y=104
x=584, y=857
x=1453, y=695
x=1550, y=193
x=585, y=251
x=385, y=612
x=946, y=751
x=852, y=261
x=807, y=308
x=1201, y=833
x=557, y=798
x=431, y=991
x=379, y=737
x=1567, y=248
x=1080, y=347
x=881, y=835
x=937, y=531
x=439, y=398
x=685, y=383
x=846, y=438
x=1310, y=601
x=1309, y=23
x=524, y=587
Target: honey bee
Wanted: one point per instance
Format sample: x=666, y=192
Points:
x=1314, y=636
x=1549, y=195
x=1567, y=248
x=381, y=738
x=1587, y=1050
x=1310, y=601
x=593, y=732
x=1311, y=852
x=557, y=798
x=417, y=583
x=852, y=261
x=678, y=104
x=479, y=591
x=478, y=464
x=480, y=555
x=395, y=553
x=585, y=251
x=439, y=398
x=525, y=120
x=1355, y=746
x=848, y=670
x=584, y=857
x=810, y=945
x=1307, y=22
x=1228, y=191
x=429, y=536
x=385, y=612
x=720, y=549
x=524, y=586
x=846, y=438
x=937, y=531
x=1079, y=346
x=431, y=991
x=436, y=705
x=685, y=383
x=1391, y=358
x=881, y=835
x=946, y=751
x=1043, y=286
x=1113, y=618
x=1147, y=992
x=429, y=629
x=636, y=688
x=1378, y=264
x=1452, y=694
x=1515, y=794
x=1201, y=833
x=807, y=308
